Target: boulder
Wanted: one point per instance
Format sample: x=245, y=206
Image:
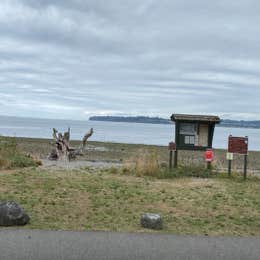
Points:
x=12, y=214
x=152, y=221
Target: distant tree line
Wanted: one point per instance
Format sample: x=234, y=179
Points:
x=158, y=120
x=135, y=119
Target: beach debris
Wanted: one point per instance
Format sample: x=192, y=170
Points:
x=12, y=214
x=86, y=137
x=53, y=155
x=152, y=221
x=62, y=150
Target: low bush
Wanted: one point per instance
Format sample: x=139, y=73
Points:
x=145, y=163
x=11, y=157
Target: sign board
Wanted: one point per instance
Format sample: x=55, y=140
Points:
x=209, y=155
x=238, y=144
x=172, y=146
x=194, y=132
x=230, y=156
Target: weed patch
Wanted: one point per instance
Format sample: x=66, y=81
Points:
x=147, y=163
x=11, y=157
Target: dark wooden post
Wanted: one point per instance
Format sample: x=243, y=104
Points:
x=245, y=166
x=176, y=158
x=177, y=140
x=208, y=165
x=229, y=167
x=170, y=160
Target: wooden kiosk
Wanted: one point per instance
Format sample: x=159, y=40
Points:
x=193, y=132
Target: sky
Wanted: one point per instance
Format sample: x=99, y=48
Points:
x=71, y=59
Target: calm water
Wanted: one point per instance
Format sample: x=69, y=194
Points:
x=115, y=132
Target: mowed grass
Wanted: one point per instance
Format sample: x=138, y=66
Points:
x=98, y=200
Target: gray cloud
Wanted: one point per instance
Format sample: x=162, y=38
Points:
x=72, y=59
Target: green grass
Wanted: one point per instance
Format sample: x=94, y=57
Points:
x=11, y=157
x=114, y=199
x=80, y=200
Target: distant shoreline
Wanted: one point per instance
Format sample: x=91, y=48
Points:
x=139, y=119
x=158, y=120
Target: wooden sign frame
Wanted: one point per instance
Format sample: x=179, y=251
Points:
x=237, y=145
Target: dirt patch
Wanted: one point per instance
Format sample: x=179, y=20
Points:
x=97, y=148
x=78, y=164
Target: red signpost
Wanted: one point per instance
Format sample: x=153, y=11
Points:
x=209, y=157
x=238, y=145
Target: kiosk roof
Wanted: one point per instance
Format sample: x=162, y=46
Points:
x=197, y=118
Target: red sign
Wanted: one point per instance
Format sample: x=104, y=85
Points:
x=238, y=144
x=172, y=146
x=209, y=155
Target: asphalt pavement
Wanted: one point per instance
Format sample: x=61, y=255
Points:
x=36, y=244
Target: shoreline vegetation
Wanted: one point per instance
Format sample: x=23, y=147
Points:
x=13, y=157
x=126, y=180
x=158, y=120
x=122, y=152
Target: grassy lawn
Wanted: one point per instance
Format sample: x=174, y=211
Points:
x=100, y=200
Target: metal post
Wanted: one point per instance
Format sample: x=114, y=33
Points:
x=175, y=158
x=245, y=166
x=229, y=167
x=170, y=160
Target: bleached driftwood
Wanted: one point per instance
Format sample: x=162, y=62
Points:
x=62, y=150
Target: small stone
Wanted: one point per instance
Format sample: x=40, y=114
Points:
x=152, y=221
x=12, y=214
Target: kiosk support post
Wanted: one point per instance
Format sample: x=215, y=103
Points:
x=176, y=158
x=170, y=160
x=245, y=166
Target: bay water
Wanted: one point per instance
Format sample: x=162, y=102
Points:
x=133, y=133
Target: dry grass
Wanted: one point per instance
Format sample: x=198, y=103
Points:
x=116, y=152
x=87, y=200
x=4, y=162
x=145, y=163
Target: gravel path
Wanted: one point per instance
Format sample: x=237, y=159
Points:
x=77, y=164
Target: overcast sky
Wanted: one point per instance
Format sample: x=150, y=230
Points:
x=76, y=58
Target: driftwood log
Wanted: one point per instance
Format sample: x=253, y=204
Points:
x=63, y=151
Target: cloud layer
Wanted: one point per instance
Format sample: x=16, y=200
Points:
x=73, y=59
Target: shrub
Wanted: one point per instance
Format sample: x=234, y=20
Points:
x=19, y=160
x=147, y=164
x=11, y=157
x=4, y=163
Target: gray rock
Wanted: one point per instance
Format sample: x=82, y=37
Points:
x=12, y=214
x=152, y=221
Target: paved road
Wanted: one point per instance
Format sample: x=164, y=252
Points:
x=29, y=244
